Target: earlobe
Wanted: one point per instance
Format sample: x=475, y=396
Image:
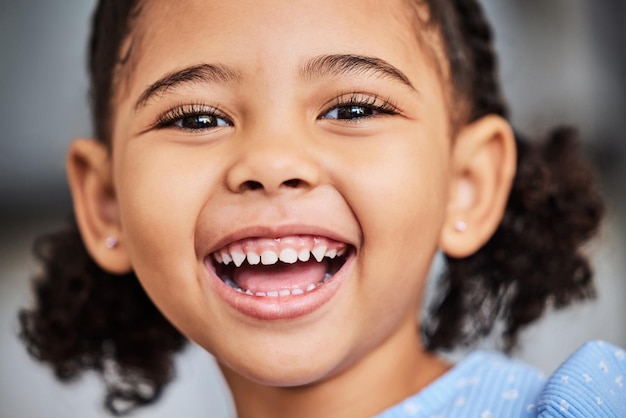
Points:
x=483, y=167
x=89, y=174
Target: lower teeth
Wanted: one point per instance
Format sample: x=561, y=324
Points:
x=277, y=293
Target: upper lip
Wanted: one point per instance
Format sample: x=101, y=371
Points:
x=278, y=231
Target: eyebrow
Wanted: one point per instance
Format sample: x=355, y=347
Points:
x=342, y=64
x=318, y=67
x=203, y=73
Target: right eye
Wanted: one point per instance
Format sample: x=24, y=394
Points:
x=358, y=107
x=200, y=122
x=193, y=118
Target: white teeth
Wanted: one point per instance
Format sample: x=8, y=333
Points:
x=304, y=255
x=268, y=258
x=226, y=258
x=253, y=258
x=238, y=257
x=278, y=293
x=319, y=253
x=289, y=256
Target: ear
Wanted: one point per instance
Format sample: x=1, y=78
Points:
x=89, y=173
x=483, y=167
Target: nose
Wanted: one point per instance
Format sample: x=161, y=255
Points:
x=272, y=166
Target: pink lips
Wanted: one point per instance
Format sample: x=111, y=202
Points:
x=271, y=306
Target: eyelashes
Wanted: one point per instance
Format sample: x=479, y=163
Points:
x=353, y=107
x=357, y=106
x=192, y=117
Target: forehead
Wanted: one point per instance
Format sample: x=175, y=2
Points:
x=196, y=30
x=217, y=14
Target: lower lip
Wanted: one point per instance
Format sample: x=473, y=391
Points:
x=268, y=308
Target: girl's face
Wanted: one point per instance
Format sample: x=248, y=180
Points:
x=289, y=129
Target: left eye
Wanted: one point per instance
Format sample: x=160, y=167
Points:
x=350, y=112
x=199, y=122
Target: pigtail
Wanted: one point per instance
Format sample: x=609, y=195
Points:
x=88, y=319
x=534, y=260
x=85, y=318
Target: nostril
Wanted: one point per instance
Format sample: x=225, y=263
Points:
x=293, y=183
x=251, y=185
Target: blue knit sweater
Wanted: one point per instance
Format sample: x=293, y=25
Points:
x=591, y=383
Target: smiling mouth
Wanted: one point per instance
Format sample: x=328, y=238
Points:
x=281, y=267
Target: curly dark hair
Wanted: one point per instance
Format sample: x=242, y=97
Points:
x=534, y=259
x=85, y=318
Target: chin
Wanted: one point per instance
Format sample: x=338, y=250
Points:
x=280, y=375
x=288, y=363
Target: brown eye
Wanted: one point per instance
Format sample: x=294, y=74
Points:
x=193, y=117
x=200, y=122
x=357, y=107
x=350, y=112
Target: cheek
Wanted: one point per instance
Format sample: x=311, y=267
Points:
x=161, y=191
x=399, y=195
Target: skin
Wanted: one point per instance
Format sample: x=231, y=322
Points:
x=390, y=185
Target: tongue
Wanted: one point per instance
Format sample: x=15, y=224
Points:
x=279, y=276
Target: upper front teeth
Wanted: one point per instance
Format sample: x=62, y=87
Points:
x=253, y=258
x=304, y=255
x=288, y=255
x=269, y=252
x=269, y=257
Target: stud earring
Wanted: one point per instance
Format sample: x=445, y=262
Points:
x=111, y=242
x=460, y=226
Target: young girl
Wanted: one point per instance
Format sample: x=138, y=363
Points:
x=272, y=180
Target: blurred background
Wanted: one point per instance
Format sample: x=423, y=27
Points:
x=562, y=61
